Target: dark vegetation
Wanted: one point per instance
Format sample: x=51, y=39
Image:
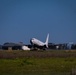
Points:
x=53, y=62
x=11, y=54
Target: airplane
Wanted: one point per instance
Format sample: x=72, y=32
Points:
x=37, y=44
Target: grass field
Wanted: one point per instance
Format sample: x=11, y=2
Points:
x=53, y=62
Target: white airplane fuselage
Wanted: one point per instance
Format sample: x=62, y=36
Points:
x=37, y=42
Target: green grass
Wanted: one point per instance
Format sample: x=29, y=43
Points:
x=37, y=63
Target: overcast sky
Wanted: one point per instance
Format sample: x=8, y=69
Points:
x=21, y=20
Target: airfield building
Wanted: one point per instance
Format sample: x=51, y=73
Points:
x=12, y=46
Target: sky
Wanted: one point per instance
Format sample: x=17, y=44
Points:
x=21, y=20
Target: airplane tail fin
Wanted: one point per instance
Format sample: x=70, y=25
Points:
x=47, y=39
